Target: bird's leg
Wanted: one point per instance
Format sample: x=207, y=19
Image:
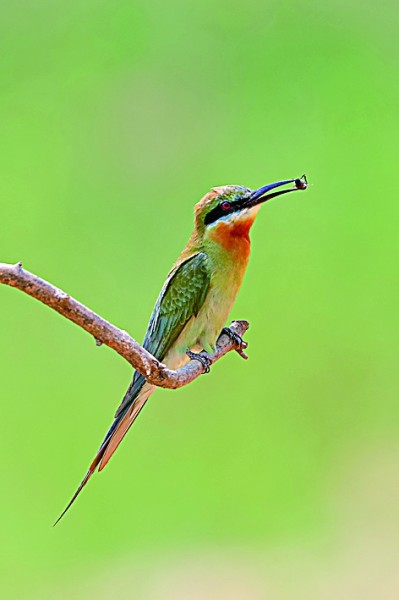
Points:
x=204, y=360
x=237, y=339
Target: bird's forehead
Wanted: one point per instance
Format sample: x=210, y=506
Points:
x=229, y=190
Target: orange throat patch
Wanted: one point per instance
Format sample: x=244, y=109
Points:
x=234, y=235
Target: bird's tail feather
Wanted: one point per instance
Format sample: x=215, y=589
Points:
x=125, y=422
x=115, y=435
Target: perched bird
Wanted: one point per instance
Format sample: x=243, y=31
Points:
x=197, y=296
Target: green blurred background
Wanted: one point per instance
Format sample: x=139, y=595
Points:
x=276, y=478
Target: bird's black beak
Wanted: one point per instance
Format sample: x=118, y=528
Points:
x=262, y=195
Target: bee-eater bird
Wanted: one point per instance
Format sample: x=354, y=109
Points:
x=197, y=296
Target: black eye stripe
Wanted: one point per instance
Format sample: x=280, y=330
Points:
x=219, y=211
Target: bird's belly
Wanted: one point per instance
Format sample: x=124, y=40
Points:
x=212, y=318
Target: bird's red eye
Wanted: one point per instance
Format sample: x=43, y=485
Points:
x=226, y=205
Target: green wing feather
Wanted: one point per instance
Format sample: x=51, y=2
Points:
x=180, y=299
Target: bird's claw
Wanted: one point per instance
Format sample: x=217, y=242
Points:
x=204, y=360
x=237, y=339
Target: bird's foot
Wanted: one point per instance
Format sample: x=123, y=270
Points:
x=204, y=360
x=237, y=339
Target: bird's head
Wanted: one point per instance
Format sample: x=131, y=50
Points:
x=233, y=208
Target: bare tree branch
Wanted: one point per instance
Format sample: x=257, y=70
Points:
x=117, y=339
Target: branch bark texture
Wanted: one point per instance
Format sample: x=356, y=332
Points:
x=105, y=333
